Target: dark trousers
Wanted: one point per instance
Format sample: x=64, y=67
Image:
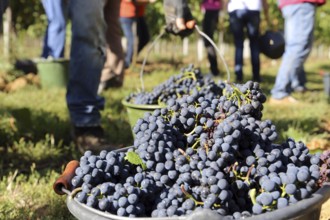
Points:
x=3, y=7
x=239, y=20
x=210, y=23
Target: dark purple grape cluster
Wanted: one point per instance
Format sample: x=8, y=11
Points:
x=187, y=81
x=202, y=153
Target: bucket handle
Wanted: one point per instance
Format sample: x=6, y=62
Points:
x=63, y=183
x=162, y=33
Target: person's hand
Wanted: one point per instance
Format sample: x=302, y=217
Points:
x=152, y=1
x=179, y=20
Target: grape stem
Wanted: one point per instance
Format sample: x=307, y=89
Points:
x=188, y=75
x=191, y=132
x=195, y=144
x=238, y=95
x=247, y=177
x=252, y=194
x=184, y=153
x=206, y=146
x=190, y=196
x=283, y=190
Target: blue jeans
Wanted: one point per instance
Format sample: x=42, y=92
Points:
x=127, y=26
x=142, y=33
x=54, y=40
x=239, y=20
x=299, y=27
x=88, y=54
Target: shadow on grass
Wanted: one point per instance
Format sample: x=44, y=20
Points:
x=325, y=67
x=42, y=139
x=310, y=126
x=33, y=138
x=117, y=127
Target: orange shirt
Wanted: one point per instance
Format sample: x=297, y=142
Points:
x=129, y=10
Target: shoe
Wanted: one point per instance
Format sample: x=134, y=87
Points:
x=114, y=82
x=90, y=138
x=300, y=89
x=215, y=72
x=285, y=100
x=239, y=79
x=257, y=79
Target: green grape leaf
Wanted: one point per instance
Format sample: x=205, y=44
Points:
x=135, y=159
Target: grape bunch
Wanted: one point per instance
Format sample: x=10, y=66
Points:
x=188, y=81
x=202, y=152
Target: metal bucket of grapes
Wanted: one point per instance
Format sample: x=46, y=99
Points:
x=136, y=111
x=306, y=209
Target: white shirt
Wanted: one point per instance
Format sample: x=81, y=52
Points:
x=255, y=5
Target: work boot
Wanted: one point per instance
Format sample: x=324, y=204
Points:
x=115, y=82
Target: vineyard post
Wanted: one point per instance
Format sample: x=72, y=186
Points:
x=6, y=32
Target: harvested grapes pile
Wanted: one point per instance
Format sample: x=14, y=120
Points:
x=204, y=150
x=188, y=81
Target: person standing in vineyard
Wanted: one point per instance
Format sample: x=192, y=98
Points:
x=54, y=40
x=246, y=14
x=132, y=12
x=299, y=17
x=211, y=10
x=87, y=57
x=113, y=70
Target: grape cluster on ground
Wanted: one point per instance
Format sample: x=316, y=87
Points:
x=208, y=148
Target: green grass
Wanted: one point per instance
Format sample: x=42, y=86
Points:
x=35, y=140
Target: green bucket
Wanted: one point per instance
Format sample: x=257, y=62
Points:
x=53, y=72
x=135, y=111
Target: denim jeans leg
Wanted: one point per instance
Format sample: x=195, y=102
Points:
x=237, y=28
x=54, y=40
x=307, y=15
x=88, y=53
x=299, y=25
x=127, y=26
x=253, y=22
x=299, y=81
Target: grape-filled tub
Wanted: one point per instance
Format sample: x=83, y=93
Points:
x=307, y=209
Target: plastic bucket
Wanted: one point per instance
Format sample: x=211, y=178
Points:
x=53, y=72
x=326, y=82
x=135, y=111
